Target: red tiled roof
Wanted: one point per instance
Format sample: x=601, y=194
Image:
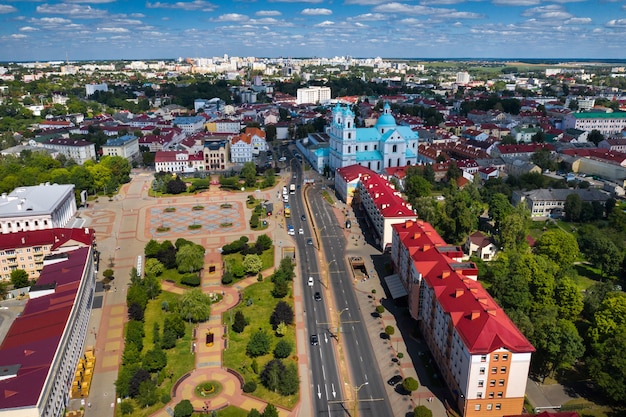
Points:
x=388, y=200
x=479, y=321
x=33, y=338
x=352, y=172
x=58, y=237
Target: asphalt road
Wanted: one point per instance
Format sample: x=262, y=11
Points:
x=325, y=381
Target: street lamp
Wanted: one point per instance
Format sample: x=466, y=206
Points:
x=326, y=284
x=339, y=323
x=356, y=397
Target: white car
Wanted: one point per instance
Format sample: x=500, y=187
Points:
x=282, y=159
x=300, y=231
x=310, y=281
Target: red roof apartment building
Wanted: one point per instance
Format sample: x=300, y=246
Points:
x=483, y=357
x=41, y=350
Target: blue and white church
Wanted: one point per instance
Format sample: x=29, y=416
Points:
x=385, y=145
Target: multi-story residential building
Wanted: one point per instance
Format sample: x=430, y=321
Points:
x=27, y=250
x=313, y=95
x=223, y=126
x=246, y=145
x=126, y=146
x=40, y=352
x=80, y=151
x=37, y=208
x=383, y=205
x=605, y=123
x=173, y=161
x=189, y=124
x=377, y=148
x=551, y=202
x=92, y=88
x=483, y=357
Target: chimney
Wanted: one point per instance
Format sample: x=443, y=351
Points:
x=491, y=311
x=408, y=224
x=416, y=235
x=425, y=248
x=458, y=292
x=445, y=274
x=474, y=315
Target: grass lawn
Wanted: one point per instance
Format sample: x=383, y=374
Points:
x=267, y=258
x=257, y=314
x=179, y=359
x=328, y=197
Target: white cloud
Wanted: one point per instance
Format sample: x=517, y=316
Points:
x=84, y=12
x=616, y=23
x=5, y=8
x=325, y=23
x=441, y=2
x=54, y=21
x=365, y=2
x=268, y=13
x=113, y=30
x=420, y=10
x=578, y=21
x=28, y=29
x=368, y=17
x=316, y=12
x=89, y=1
x=516, y=2
x=18, y=36
x=194, y=5
x=231, y=17
x=296, y=1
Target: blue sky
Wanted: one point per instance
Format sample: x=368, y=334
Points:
x=128, y=29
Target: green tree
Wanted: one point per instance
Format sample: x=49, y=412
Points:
x=272, y=373
x=190, y=258
x=281, y=329
x=389, y=331
x=595, y=136
x=610, y=315
x=108, y=274
x=270, y=411
x=248, y=173
x=514, y=228
x=264, y=242
x=282, y=349
x=573, y=207
x=19, y=278
x=607, y=366
x=410, y=384
x=131, y=354
x=195, y=306
x=126, y=407
x=568, y=298
x=289, y=381
x=252, y=264
x=558, y=345
x=183, y=409
x=499, y=208
x=281, y=287
x=154, y=360
x=239, y=322
x=258, y=345
x=422, y=411
x=254, y=413
x=416, y=186
x=148, y=394
x=153, y=267
x=559, y=246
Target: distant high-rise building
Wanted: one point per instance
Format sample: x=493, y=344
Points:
x=92, y=88
x=462, y=78
x=313, y=95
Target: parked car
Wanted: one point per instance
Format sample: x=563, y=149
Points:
x=396, y=379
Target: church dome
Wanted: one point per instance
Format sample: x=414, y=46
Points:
x=386, y=119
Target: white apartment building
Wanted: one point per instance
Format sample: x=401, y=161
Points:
x=462, y=78
x=606, y=123
x=37, y=208
x=313, y=95
x=172, y=161
x=80, y=151
x=245, y=146
x=189, y=124
x=92, y=88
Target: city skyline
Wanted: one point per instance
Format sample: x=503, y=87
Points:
x=124, y=29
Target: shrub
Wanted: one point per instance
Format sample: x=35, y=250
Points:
x=258, y=345
x=194, y=226
x=126, y=407
x=193, y=280
x=283, y=313
x=249, y=386
x=380, y=309
x=389, y=330
x=410, y=384
x=400, y=355
x=239, y=322
x=165, y=398
x=283, y=349
x=183, y=409
x=227, y=278
x=422, y=411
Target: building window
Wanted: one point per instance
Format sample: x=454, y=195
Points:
x=482, y=371
x=498, y=406
x=500, y=394
x=349, y=149
x=494, y=370
x=365, y=147
x=505, y=357
x=349, y=135
x=481, y=383
x=501, y=382
x=483, y=358
x=496, y=357
x=479, y=395
x=491, y=395
x=394, y=148
x=488, y=406
x=503, y=370
x=477, y=407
